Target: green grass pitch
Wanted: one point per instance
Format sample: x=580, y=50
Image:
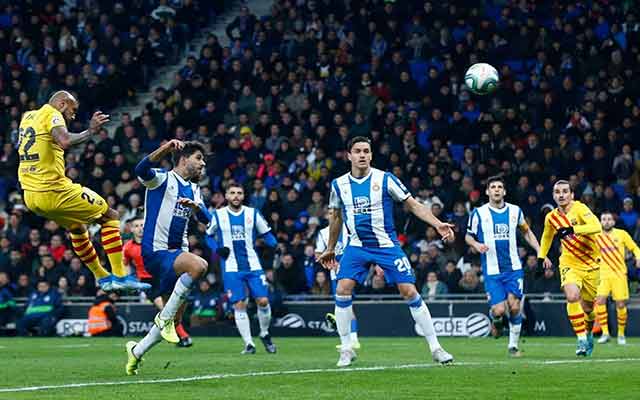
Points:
x=304, y=368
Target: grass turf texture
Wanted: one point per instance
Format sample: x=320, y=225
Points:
x=484, y=371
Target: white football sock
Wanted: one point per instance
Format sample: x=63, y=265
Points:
x=422, y=316
x=264, y=318
x=244, y=327
x=147, y=342
x=344, y=314
x=515, y=326
x=178, y=296
x=354, y=329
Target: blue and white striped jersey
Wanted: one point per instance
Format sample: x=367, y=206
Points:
x=238, y=232
x=497, y=228
x=367, y=207
x=166, y=221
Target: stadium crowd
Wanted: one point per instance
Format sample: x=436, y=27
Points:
x=276, y=108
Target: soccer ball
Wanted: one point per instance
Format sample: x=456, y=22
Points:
x=481, y=78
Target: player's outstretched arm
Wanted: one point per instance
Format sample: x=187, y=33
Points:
x=419, y=210
x=66, y=139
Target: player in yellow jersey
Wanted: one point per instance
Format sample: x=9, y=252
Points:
x=613, y=274
x=50, y=194
x=577, y=229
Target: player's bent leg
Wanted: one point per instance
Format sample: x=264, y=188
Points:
x=422, y=317
x=264, y=319
x=243, y=324
x=83, y=248
x=112, y=245
x=515, y=325
x=189, y=267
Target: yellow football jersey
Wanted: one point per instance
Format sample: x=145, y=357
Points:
x=42, y=166
x=580, y=249
x=612, y=246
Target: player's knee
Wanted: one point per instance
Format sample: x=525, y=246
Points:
x=262, y=301
x=514, y=309
x=111, y=214
x=621, y=304
x=77, y=229
x=240, y=305
x=498, y=310
x=199, y=268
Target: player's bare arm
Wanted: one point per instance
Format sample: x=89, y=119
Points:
x=67, y=139
x=168, y=147
x=328, y=258
x=530, y=238
x=473, y=243
x=419, y=210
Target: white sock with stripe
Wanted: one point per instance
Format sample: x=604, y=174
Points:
x=244, y=326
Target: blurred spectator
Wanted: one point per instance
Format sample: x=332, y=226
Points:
x=470, y=283
x=433, y=287
x=103, y=320
x=289, y=276
x=7, y=304
x=206, y=305
x=321, y=284
x=451, y=276
x=42, y=312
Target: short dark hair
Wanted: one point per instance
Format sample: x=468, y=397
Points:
x=358, y=139
x=563, y=182
x=189, y=148
x=495, y=178
x=232, y=185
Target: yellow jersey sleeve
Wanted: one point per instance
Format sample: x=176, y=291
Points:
x=590, y=224
x=547, y=237
x=628, y=242
x=52, y=118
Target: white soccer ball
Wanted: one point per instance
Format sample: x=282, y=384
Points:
x=481, y=78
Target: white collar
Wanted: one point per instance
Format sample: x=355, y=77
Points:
x=498, y=210
x=235, y=213
x=360, y=180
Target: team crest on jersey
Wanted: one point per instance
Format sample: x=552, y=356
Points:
x=182, y=211
x=56, y=120
x=501, y=231
x=375, y=187
x=237, y=232
x=361, y=205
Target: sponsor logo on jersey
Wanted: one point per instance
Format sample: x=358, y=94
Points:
x=237, y=232
x=501, y=231
x=361, y=205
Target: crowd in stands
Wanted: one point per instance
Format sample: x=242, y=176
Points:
x=276, y=107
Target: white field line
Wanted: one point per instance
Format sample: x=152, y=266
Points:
x=301, y=372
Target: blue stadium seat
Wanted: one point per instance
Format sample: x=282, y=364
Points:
x=418, y=70
x=620, y=190
x=515, y=65
x=457, y=152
